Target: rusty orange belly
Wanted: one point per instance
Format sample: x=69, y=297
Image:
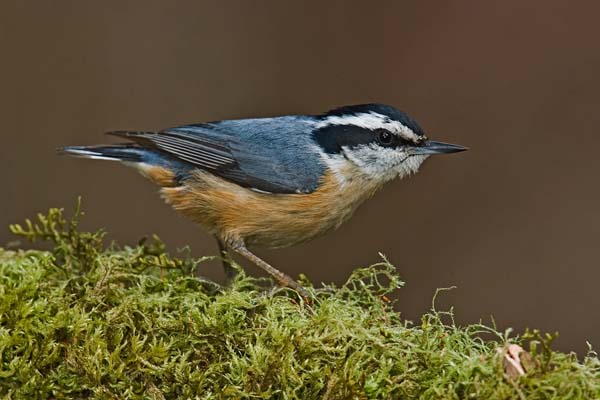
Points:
x=263, y=219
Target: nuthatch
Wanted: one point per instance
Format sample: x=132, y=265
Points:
x=275, y=182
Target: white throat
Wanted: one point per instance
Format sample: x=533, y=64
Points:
x=376, y=168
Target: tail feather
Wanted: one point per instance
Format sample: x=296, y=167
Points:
x=151, y=164
x=126, y=153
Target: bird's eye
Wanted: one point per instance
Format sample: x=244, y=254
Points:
x=384, y=137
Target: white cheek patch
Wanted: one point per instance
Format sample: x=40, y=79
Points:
x=384, y=164
x=338, y=164
x=371, y=121
x=377, y=164
x=411, y=165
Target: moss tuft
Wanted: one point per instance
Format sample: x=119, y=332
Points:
x=85, y=321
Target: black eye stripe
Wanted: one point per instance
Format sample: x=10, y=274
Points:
x=333, y=137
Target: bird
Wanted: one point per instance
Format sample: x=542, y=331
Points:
x=277, y=181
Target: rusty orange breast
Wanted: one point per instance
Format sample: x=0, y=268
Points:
x=263, y=219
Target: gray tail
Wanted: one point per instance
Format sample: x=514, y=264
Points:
x=115, y=152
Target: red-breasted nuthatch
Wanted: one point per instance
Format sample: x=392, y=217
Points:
x=275, y=182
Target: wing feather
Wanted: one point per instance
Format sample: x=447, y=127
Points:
x=271, y=155
x=192, y=149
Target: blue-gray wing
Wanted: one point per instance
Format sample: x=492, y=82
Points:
x=275, y=155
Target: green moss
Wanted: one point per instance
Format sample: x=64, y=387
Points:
x=132, y=322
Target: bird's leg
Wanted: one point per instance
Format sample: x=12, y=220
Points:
x=282, y=279
x=230, y=271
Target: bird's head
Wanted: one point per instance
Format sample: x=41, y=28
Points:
x=383, y=142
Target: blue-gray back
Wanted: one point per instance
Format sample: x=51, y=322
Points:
x=276, y=155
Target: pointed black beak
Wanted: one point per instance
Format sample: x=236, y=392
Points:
x=431, y=147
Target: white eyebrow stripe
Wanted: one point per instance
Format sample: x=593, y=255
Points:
x=370, y=121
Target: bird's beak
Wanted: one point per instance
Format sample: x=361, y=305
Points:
x=431, y=147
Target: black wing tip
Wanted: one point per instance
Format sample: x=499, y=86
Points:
x=129, y=134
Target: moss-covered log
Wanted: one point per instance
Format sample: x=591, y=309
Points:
x=85, y=321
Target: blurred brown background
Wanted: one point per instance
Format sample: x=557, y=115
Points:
x=514, y=223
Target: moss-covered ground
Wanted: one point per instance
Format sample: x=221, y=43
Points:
x=88, y=321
